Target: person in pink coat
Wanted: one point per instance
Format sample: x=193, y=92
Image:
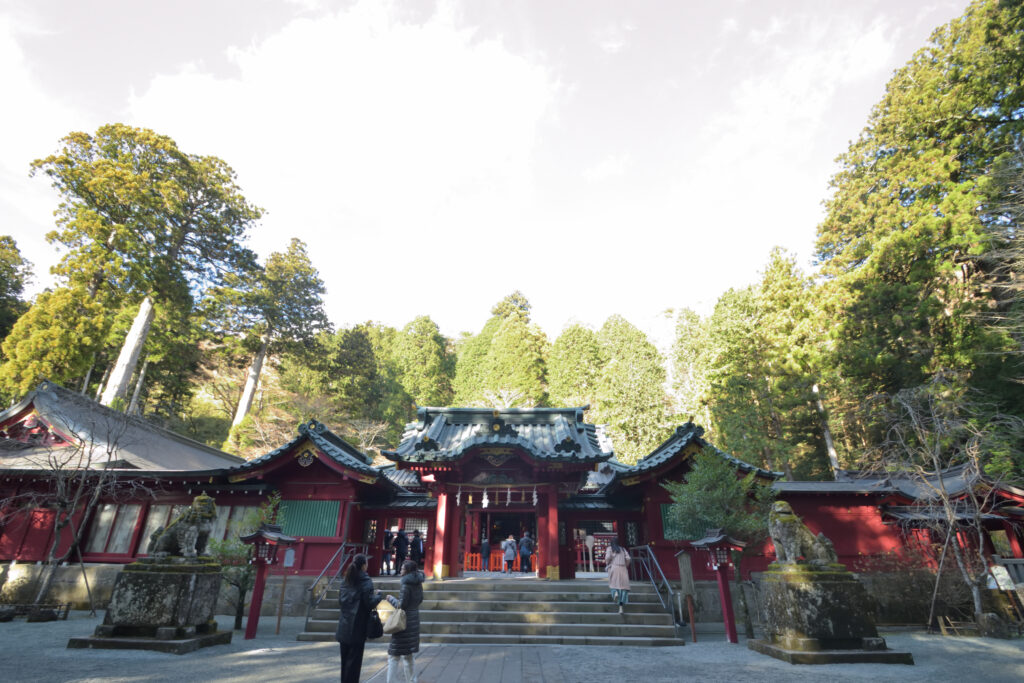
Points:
x=616, y=561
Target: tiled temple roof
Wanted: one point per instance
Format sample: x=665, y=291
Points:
x=551, y=434
x=116, y=441
x=329, y=443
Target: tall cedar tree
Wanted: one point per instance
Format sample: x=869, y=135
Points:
x=574, y=366
x=15, y=273
x=427, y=366
x=631, y=396
x=905, y=228
x=281, y=308
x=141, y=218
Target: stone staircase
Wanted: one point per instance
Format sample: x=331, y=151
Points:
x=522, y=612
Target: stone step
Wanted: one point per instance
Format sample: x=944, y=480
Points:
x=521, y=586
x=574, y=617
x=502, y=639
x=523, y=611
x=526, y=629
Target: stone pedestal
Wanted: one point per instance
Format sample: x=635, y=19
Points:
x=165, y=605
x=820, y=615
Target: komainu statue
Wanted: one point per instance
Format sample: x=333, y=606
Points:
x=187, y=535
x=794, y=541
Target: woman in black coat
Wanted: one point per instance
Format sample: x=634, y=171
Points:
x=356, y=599
x=404, y=643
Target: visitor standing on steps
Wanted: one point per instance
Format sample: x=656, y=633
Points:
x=385, y=558
x=401, y=667
x=616, y=561
x=416, y=553
x=401, y=549
x=525, y=550
x=356, y=599
x=485, y=554
x=508, y=546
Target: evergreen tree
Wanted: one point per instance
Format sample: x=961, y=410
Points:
x=141, y=218
x=631, y=397
x=427, y=367
x=574, y=367
x=56, y=339
x=905, y=233
x=15, y=272
x=486, y=377
x=281, y=308
x=690, y=368
x=515, y=365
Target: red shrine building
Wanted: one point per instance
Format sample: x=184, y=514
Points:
x=457, y=476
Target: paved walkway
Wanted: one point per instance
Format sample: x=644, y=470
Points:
x=37, y=653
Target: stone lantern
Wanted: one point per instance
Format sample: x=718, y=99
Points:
x=265, y=542
x=719, y=548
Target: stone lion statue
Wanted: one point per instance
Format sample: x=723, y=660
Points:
x=187, y=535
x=794, y=542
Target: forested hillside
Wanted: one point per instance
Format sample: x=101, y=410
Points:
x=161, y=309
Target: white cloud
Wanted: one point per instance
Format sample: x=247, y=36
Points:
x=613, y=38
x=613, y=166
x=355, y=131
x=31, y=124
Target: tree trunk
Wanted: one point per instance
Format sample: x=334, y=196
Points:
x=240, y=609
x=103, y=382
x=833, y=456
x=252, y=380
x=117, y=385
x=88, y=375
x=133, y=407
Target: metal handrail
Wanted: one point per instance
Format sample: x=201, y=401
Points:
x=645, y=562
x=344, y=555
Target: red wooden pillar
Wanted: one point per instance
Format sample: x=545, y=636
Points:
x=726, y=597
x=256, y=601
x=1015, y=540
x=540, y=560
x=452, y=564
x=551, y=554
x=436, y=567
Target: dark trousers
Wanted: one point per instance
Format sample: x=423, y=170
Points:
x=524, y=563
x=399, y=559
x=485, y=562
x=385, y=562
x=351, y=661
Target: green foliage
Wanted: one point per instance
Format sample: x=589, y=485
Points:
x=714, y=496
x=505, y=364
x=574, y=367
x=15, y=272
x=690, y=368
x=233, y=555
x=515, y=365
x=425, y=364
x=631, y=396
x=906, y=230
x=140, y=218
x=55, y=340
x=471, y=352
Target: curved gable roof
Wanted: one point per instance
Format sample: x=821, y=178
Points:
x=117, y=441
x=330, y=444
x=548, y=434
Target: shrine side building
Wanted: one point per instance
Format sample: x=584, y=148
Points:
x=457, y=476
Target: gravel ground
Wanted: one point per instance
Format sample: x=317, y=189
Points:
x=37, y=653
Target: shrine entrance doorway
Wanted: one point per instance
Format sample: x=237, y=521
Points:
x=501, y=525
x=498, y=526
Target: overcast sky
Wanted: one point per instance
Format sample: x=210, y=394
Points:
x=602, y=157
